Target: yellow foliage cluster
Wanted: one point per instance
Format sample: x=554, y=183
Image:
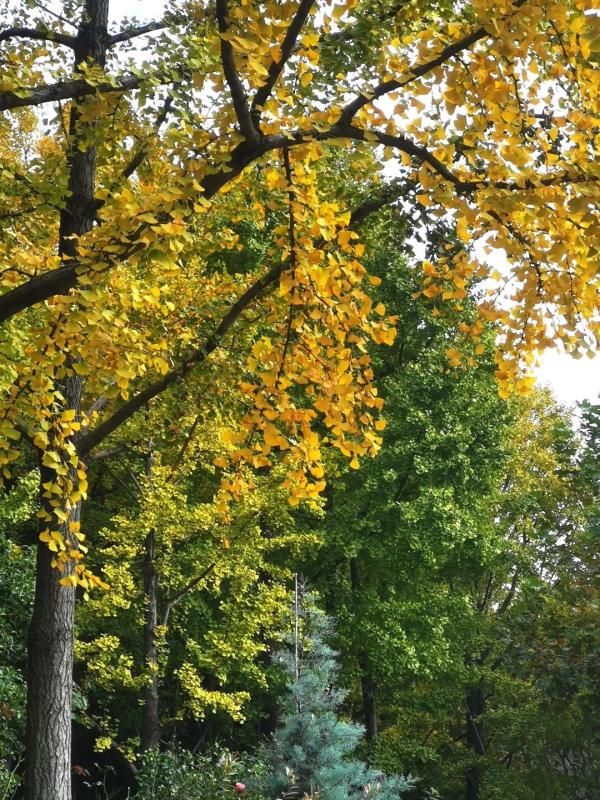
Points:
x=489, y=117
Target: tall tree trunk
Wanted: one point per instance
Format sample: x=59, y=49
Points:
x=151, y=725
x=50, y=640
x=475, y=707
x=368, y=699
x=367, y=684
x=50, y=683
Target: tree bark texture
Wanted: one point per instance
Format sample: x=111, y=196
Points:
x=50, y=641
x=50, y=684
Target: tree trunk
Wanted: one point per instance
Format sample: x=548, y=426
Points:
x=50, y=641
x=367, y=683
x=50, y=683
x=475, y=705
x=368, y=700
x=151, y=725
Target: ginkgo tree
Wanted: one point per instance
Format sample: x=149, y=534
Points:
x=124, y=176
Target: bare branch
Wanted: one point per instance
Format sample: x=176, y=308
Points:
x=37, y=34
x=276, y=68
x=133, y=33
x=236, y=87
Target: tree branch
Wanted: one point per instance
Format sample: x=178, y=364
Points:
x=39, y=35
x=63, y=279
x=132, y=33
x=276, y=68
x=141, y=154
x=42, y=287
x=196, y=357
x=65, y=90
x=410, y=147
x=236, y=87
x=60, y=281
x=418, y=71
x=141, y=399
x=406, y=146
x=177, y=598
x=509, y=595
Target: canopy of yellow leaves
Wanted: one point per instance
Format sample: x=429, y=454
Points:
x=490, y=113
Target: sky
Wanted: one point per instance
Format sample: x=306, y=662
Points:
x=570, y=380
x=144, y=9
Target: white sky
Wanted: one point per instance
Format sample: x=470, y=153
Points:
x=144, y=9
x=571, y=380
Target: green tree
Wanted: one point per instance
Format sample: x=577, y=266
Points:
x=508, y=713
x=414, y=524
x=311, y=751
x=112, y=205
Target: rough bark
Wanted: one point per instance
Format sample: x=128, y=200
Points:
x=151, y=725
x=50, y=684
x=50, y=641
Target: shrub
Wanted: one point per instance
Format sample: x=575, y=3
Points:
x=180, y=775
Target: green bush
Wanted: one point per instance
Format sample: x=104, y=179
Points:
x=180, y=775
x=9, y=782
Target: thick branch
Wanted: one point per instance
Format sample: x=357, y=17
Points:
x=42, y=287
x=65, y=90
x=351, y=109
x=38, y=35
x=276, y=68
x=236, y=87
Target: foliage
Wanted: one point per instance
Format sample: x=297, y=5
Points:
x=179, y=775
x=221, y=596
x=311, y=751
x=188, y=316
x=233, y=115
x=522, y=644
x=16, y=592
x=8, y=783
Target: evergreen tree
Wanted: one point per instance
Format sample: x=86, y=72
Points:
x=310, y=753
